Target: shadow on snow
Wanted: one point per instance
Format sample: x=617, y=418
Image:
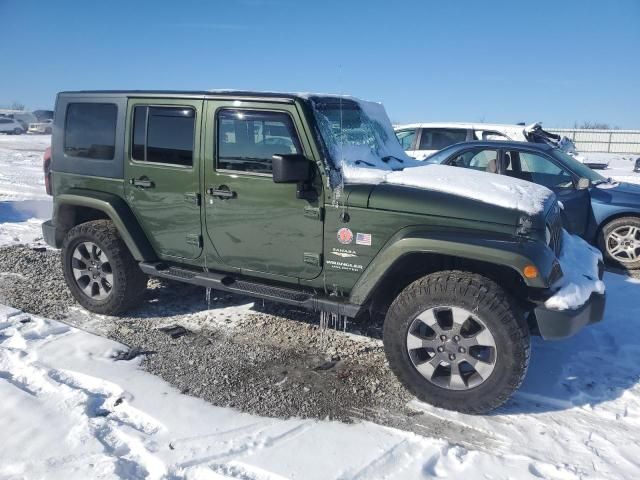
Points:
x=22, y=210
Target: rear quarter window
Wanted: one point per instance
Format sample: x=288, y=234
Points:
x=439, y=138
x=90, y=130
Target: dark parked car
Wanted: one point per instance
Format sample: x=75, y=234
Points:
x=604, y=212
x=637, y=167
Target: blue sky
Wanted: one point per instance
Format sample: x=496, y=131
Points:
x=501, y=61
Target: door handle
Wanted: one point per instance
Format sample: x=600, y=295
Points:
x=222, y=192
x=141, y=182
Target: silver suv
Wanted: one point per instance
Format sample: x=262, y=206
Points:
x=10, y=126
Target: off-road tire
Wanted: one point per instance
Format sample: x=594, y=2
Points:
x=493, y=306
x=604, y=234
x=129, y=282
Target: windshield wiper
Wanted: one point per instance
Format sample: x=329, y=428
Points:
x=389, y=157
x=358, y=162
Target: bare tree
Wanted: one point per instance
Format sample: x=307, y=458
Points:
x=589, y=125
x=17, y=105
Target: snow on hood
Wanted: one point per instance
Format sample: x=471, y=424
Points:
x=366, y=150
x=579, y=262
x=484, y=187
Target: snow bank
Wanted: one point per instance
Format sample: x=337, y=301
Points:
x=579, y=262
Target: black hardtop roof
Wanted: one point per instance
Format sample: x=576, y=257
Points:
x=192, y=93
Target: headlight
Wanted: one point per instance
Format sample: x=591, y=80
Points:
x=547, y=235
x=524, y=225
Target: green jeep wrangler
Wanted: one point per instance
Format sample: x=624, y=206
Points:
x=283, y=197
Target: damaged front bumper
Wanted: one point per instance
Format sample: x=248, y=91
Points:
x=556, y=324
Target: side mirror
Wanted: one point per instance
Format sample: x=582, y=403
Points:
x=291, y=168
x=583, y=183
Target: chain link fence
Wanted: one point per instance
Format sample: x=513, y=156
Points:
x=606, y=141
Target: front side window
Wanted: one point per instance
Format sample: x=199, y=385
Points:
x=483, y=160
x=90, y=130
x=439, y=138
x=248, y=139
x=163, y=135
x=406, y=138
x=537, y=169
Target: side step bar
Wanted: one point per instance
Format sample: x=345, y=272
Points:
x=228, y=283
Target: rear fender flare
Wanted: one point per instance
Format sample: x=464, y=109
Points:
x=116, y=209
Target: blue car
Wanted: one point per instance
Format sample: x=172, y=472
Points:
x=603, y=212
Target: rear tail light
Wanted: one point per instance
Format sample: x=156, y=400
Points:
x=46, y=166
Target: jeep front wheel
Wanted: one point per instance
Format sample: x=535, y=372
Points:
x=99, y=269
x=456, y=340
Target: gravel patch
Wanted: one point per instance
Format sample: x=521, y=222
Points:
x=31, y=280
x=266, y=359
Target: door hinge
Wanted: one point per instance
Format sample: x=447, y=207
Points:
x=194, y=239
x=192, y=197
x=314, y=259
x=314, y=212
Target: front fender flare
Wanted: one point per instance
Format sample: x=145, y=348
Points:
x=504, y=251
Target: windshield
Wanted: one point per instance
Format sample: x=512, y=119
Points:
x=577, y=167
x=358, y=133
x=439, y=156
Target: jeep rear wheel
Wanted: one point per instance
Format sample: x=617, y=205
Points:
x=457, y=341
x=99, y=269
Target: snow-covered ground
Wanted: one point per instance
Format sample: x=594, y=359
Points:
x=620, y=166
x=70, y=410
x=23, y=201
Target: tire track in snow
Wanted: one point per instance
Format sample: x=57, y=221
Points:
x=99, y=407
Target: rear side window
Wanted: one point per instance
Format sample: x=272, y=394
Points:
x=90, y=130
x=490, y=135
x=248, y=139
x=438, y=138
x=163, y=135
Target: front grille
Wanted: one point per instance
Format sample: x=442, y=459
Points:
x=554, y=224
x=556, y=273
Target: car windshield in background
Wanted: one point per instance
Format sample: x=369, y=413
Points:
x=577, y=167
x=438, y=157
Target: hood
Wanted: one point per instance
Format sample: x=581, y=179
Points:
x=481, y=187
x=400, y=198
x=444, y=191
x=627, y=188
x=620, y=194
